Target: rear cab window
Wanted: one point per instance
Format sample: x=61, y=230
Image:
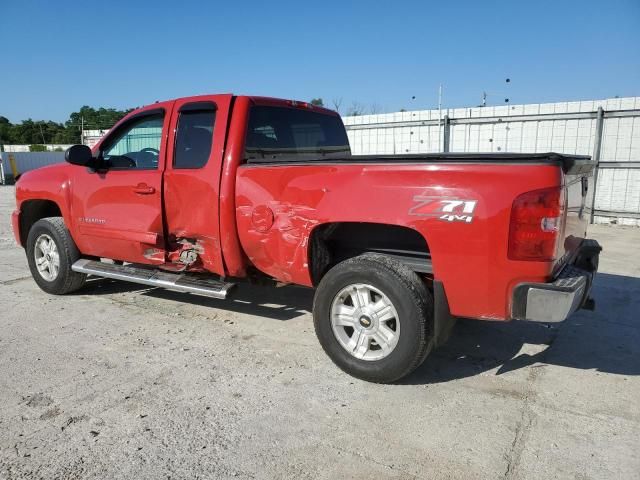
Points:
x=288, y=134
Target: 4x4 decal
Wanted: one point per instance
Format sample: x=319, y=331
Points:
x=447, y=209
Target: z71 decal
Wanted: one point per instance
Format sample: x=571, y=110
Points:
x=447, y=209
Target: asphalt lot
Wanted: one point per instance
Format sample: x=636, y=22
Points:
x=119, y=381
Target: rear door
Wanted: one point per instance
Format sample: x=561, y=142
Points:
x=192, y=182
x=118, y=209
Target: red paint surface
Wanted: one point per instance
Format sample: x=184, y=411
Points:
x=470, y=258
x=262, y=215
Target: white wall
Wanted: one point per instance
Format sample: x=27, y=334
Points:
x=618, y=189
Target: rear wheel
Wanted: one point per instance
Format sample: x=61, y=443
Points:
x=51, y=252
x=374, y=318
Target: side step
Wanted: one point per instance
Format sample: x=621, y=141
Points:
x=155, y=278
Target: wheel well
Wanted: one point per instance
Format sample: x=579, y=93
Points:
x=332, y=243
x=33, y=210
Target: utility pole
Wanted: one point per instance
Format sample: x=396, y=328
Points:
x=42, y=135
x=81, y=130
x=440, y=117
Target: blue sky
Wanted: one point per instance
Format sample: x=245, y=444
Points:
x=59, y=55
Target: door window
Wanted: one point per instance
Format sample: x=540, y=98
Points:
x=137, y=145
x=194, y=136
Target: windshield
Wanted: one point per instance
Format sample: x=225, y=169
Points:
x=284, y=134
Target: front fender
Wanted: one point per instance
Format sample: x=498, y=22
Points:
x=53, y=184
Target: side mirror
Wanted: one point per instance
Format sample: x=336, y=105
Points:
x=78, y=155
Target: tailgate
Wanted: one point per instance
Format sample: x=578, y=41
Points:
x=578, y=184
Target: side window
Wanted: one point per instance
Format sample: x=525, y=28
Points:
x=137, y=145
x=194, y=135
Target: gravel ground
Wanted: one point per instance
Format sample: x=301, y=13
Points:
x=122, y=382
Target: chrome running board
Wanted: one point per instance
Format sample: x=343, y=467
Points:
x=155, y=278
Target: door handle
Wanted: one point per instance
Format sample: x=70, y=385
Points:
x=143, y=189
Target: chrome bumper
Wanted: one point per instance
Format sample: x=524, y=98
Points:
x=569, y=291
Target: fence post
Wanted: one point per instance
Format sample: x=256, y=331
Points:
x=14, y=167
x=597, y=144
x=1, y=169
x=446, y=134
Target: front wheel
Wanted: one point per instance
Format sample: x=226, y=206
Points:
x=51, y=252
x=374, y=318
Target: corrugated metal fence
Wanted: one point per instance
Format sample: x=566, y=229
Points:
x=25, y=161
x=608, y=130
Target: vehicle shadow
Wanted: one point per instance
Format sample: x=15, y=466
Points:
x=607, y=340
x=281, y=303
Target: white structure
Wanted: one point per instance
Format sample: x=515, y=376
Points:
x=608, y=130
x=91, y=137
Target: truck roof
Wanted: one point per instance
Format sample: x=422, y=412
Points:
x=262, y=100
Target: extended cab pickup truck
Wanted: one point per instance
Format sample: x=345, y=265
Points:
x=197, y=193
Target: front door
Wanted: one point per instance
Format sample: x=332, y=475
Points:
x=118, y=209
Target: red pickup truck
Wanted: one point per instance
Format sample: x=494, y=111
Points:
x=197, y=193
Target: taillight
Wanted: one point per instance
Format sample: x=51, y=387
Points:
x=536, y=224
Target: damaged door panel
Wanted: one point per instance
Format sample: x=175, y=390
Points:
x=187, y=254
x=191, y=183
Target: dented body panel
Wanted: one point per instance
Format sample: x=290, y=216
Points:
x=191, y=197
x=304, y=197
x=231, y=217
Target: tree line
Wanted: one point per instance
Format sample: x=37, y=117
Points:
x=39, y=132
x=353, y=110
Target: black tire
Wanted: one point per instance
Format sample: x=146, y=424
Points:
x=411, y=299
x=66, y=280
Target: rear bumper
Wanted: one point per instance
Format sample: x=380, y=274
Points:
x=569, y=291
